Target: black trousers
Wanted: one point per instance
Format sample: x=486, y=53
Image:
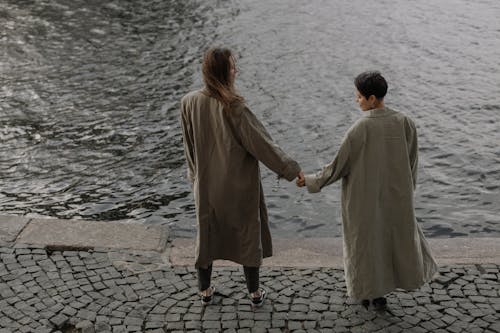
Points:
x=251, y=277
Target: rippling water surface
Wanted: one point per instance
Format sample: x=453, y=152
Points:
x=89, y=98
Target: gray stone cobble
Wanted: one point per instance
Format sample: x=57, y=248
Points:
x=43, y=291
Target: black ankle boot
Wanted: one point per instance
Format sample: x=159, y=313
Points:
x=380, y=303
x=365, y=303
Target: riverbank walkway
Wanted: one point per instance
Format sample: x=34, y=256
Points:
x=83, y=276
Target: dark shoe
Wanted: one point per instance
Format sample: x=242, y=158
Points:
x=207, y=300
x=258, y=301
x=366, y=303
x=380, y=303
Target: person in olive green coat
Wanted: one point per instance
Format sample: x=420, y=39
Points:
x=223, y=144
x=384, y=247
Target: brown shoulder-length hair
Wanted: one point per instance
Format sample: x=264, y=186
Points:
x=216, y=68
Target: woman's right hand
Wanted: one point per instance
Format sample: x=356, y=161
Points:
x=301, y=181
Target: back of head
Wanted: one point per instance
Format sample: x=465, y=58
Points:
x=218, y=74
x=371, y=83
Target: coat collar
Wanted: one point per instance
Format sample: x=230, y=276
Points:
x=204, y=91
x=382, y=112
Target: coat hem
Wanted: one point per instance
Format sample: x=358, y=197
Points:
x=388, y=290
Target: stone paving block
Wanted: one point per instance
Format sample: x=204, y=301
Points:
x=211, y=324
x=467, y=305
x=119, y=329
x=495, y=327
x=325, y=309
x=246, y=323
x=230, y=324
x=262, y=324
x=132, y=321
x=174, y=326
x=228, y=316
x=294, y=325
x=194, y=325
x=59, y=320
x=154, y=324
x=318, y=306
x=309, y=325
x=274, y=330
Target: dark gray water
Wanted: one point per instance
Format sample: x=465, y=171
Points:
x=89, y=96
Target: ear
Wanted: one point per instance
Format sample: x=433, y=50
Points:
x=372, y=99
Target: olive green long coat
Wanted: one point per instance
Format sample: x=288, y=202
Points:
x=384, y=248
x=223, y=149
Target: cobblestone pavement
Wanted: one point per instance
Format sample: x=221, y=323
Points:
x=47, y=290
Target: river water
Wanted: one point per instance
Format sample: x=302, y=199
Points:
x=89, y=102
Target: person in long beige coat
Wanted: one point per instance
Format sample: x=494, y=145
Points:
x=384, y=247
x=223, y=144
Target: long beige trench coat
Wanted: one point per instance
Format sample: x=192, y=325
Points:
x=384, y=248
x=223, y=149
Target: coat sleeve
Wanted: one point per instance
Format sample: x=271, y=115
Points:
x=412, y=143
x=333, y=171
x=257, y=141
x=187, y=136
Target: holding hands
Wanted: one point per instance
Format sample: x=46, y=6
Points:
x=301, y=180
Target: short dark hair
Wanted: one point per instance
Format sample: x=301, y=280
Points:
x=371, y=83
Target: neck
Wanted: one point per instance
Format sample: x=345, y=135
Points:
x=379, y=105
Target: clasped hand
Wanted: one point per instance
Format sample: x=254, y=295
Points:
x=301, y=180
